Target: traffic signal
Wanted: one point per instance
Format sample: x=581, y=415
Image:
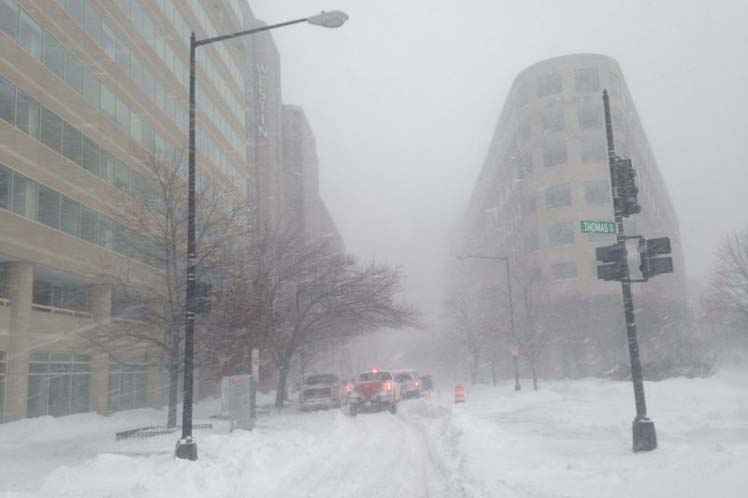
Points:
x=651, y=264
x=626, y=202
x=614, y=258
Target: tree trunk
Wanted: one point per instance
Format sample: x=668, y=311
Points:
x=493, y=369
x=280, y=393
x=534, y=375
x=171, y=416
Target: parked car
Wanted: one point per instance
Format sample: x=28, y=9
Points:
x=427, y=383
x=320, y=391
x=374, y=391
x=410, y=383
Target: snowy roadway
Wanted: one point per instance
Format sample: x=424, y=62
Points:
x=569, y=439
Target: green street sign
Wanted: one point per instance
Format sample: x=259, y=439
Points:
x=591, y=226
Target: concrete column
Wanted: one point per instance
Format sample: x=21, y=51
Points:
x=100, y=303
x=20, y=293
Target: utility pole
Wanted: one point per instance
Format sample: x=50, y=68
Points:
x=644, y=434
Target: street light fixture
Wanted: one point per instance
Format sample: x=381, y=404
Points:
x=186, y=446
x=515, y=352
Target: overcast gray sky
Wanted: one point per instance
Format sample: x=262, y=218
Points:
x=404, y=98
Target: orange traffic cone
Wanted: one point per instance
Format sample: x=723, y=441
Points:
x=459, y=393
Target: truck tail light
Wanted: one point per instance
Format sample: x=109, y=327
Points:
x=388, y=386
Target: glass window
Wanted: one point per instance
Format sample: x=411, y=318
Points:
x=136, y=128
x=24, y=196
x=74, y=72
x=71, y=216
x=121, y=176
x=587, y=80
x=75, y=9
x=54, y=55
x=549, y=84
x=531, y=242
x=597, y=192
x=560, y=234
x=136, y=70
x=93, y=23
x=524, y=165
x=105, y=227
x=51, y=129
x=123, y=55
x=121, y=240
x=88, y=225
x=123, y=115
x=107, y=41
x=590, y=112
x=563, y=271
x=49, y=207
x=90, y=155
x=30, y=35
x=71, y=143
x=92, y=89
x=594, y=147
x=558, y=196
x=6, y=178
x=554, y=150
x=108, y=102
x=7, y=100
x=106, y=165
x=9, y=17
x=553, y=116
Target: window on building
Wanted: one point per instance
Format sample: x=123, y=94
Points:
x=532, y=242
x=560, y=234
x=593, y=147
x=88, y=228
x=28, y=115
x=123, y=115
x=123, y=55
x=24, y=196
x=549, y=84
x=6, y=182
x=614, y=84
x=587, y=80
x=49, y=207
x=74, y=72
x=127, y=383
x=105, y=228
x=121, y=176
x=59, y=384
x=554, y=150
x=564, y=271
x=108, y=102
x=107, y=41
x=524, y=164
x=597, y=192
x=589, y=112
x=30, y=35
x=90, y=155
x=54, y=55
x=75, y=9
x=558, y=196
x=9, y=17
x=71, y=216
x=553, y=116
x=71, y=143
x=52, y=129
x=106, y=165
x=92, y=89
x=93, y=23
x=7, y=100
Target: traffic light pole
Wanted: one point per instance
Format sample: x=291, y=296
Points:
x=644, y=434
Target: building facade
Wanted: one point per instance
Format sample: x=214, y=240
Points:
x=90, y=91
x=546, y=170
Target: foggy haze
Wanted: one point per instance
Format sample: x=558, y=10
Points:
x=403, y=102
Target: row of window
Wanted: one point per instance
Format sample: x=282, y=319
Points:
x=68, y=66
x=589, y=115
x=596, y=192
x=32, y=200
x=592, y=148
x=46, y=126
x=586, y=80
x=59, y=384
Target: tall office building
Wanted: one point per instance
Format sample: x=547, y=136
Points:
x=90, y=91
x=545, y=171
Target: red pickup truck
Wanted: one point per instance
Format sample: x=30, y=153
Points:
x=374, y=391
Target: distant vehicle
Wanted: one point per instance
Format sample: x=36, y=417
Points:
x=320, y=391
x=374, y=391
x=410, y=383
x=427, y=383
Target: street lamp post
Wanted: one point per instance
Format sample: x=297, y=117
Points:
x=515, y=352
x=186, y=446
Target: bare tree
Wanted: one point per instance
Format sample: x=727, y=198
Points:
x=728, y=289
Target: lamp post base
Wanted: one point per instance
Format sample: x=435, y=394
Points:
x=645, y=436
x=186, y=449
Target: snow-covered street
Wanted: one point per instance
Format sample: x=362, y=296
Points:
x=569, y=439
